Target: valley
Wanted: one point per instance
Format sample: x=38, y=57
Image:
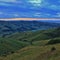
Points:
x=31, y=45
x=29, y=40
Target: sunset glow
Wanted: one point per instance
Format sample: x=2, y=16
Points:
x=7, y=19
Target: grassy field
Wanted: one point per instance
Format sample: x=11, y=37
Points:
x=31, y=45
x=36, y=53
x=8, y=46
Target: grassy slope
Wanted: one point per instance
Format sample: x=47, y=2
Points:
x=8, y=46
x=36, y=35
x=37, y=51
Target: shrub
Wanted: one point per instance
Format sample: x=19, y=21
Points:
x=53, y=41
x=53, y=49
x=12, y=52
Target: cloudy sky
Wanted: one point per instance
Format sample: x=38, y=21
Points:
x=29, y=8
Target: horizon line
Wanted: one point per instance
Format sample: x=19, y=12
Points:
x=6, y=19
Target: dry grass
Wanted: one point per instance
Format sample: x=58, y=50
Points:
x=36, y=53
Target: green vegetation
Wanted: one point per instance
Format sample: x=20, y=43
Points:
x=54, y=41
x=8, y=46
x=36, y=53
x=31, y=45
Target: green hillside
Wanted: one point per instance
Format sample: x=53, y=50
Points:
x=8, y=46
x=36, y=53
x=32, y=36
x=31, y=45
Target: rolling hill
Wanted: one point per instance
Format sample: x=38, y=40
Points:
x=9, y=27
x=31, y=45
x=36, y=53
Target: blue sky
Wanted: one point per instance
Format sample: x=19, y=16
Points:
x=29, y=8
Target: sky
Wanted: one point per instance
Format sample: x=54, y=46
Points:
x=31, y=19
x=29, y=8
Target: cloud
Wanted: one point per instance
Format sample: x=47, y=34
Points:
x=57, y=15
x=5, y=4
x=37, y=14
x=35, y=3
x=55, y=7
x=30, y=19
x=8, y=0
x=29, y=8
x=1, y=13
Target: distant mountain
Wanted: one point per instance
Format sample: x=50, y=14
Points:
x=52, y=21
x=9, y=27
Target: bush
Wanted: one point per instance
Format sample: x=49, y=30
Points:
x=53, y=49
x=54, y=41
x=12, y=52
